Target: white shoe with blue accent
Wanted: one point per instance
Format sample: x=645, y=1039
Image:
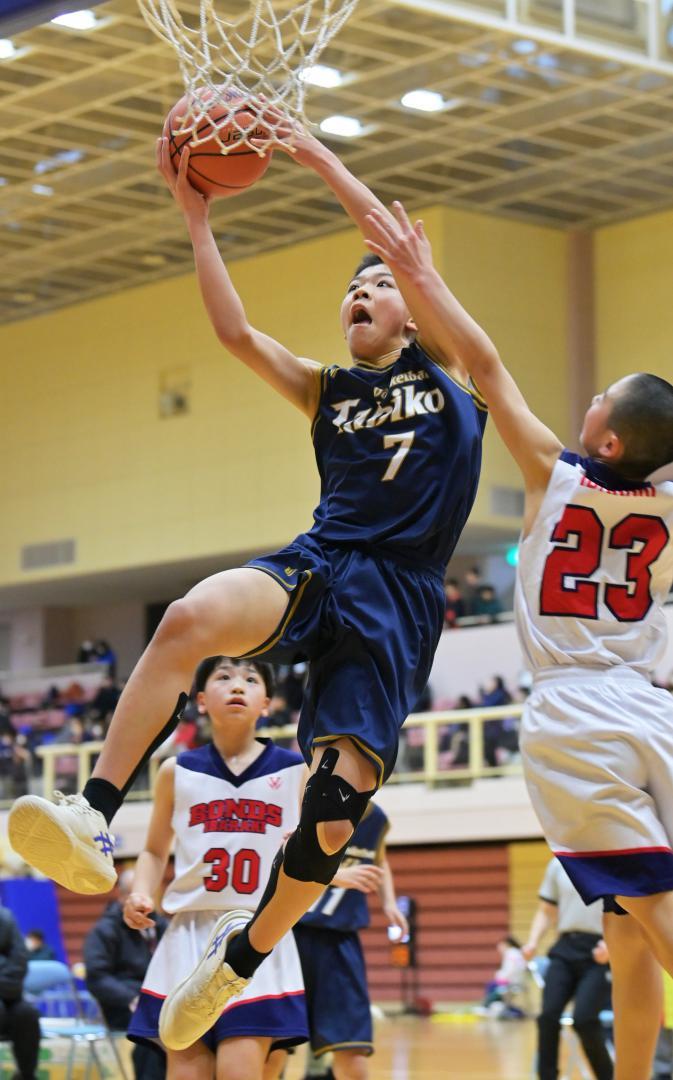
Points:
x=67, y=840
x=199, y=1000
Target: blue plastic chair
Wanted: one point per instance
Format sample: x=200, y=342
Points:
x=70, y=1014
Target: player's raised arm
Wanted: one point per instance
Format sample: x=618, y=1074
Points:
x=448, y=330
x=296, y=379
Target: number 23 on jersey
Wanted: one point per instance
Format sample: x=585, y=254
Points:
x=580, y=545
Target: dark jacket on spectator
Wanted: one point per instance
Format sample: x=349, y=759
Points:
x=116, y=959
x=13, y=958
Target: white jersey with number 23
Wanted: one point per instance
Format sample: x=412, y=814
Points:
x=595, y=570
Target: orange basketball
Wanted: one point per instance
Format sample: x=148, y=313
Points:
x=211, y=171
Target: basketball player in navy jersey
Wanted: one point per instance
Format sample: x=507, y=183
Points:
x=595, y=568
x=398, y=439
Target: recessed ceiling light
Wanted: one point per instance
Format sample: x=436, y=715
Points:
x=154, y=259
x=322, y=75
x=61, y=157
x=7, y=49
x=42, y=189
x=23, y=297
x=77, y=20
x=423, y=101
x=523, y=47
x=347, y=126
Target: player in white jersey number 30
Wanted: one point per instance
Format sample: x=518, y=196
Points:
x=596, y=565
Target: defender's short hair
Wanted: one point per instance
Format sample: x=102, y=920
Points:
x=208, y=666
x=642, y=416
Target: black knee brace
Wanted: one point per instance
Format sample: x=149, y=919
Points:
x=326, y=798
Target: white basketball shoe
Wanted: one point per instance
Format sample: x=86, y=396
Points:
x=66, y=839
x=198, y=1001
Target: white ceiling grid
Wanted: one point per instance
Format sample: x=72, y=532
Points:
x=548, y=134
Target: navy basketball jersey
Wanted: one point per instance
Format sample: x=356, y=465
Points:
x=399, y=453
x=346, y=909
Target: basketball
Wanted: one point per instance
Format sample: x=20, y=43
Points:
x=211, y=171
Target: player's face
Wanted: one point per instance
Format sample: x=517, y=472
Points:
x=596, y=423
x=234, y=693
x=374, y=316
x=596, y=429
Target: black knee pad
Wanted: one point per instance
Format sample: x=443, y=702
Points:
x=326, y=798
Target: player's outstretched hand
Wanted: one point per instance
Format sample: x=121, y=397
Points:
x=402, y=246
x=365, y=878
x=191, y=202
x=289, y=136
x=396, y=918
x=137, y=908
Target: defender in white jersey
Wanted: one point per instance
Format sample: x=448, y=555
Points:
x=228, y=805
x=595, y=567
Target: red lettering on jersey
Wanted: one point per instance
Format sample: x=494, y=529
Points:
x=235, y=815
x=646, y=492
x=198, y=814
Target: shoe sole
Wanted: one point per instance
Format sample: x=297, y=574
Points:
x=235, y=915
x=38, y=835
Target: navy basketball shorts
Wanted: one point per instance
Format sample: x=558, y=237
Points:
x=335, y=981
x=369, y=628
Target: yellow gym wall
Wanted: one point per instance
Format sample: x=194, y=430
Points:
x=634, y=313
x=86, y=455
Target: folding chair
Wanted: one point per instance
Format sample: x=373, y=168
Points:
x=70, y=1014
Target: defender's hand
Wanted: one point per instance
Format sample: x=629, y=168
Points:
x=402, y=246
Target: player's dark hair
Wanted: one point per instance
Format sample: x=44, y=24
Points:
x=642, y=416
x=366, y=261
x=511, y=940
x=208, y=666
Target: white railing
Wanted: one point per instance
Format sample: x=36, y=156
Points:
x=430, y=772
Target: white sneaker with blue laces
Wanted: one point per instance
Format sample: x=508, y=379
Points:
x=199, y=1000
x=67, y=840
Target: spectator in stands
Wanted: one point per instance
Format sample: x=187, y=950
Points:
x=279, y=714
x=454, y=605
x=104, y=702
x=37, y=946
x=486, y=605
x=86, y=653
x=19, y=1020
x=472, y=583
x=507, y=985
x=293, y=686
x=105, y=654
x=454, y=741
x=6, y=726
x=577, y=969
x=501, y=738
x=116, y=959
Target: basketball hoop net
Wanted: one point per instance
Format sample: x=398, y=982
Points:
x=264, y=53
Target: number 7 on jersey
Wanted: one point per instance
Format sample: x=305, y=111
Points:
x=403, y=443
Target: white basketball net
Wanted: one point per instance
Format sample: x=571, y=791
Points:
x=265, y=52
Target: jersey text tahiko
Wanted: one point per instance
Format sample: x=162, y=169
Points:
x=595, y=570
x=228, y=828
x=399, y=453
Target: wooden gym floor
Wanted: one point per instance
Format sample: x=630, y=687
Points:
x=446, y=1048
